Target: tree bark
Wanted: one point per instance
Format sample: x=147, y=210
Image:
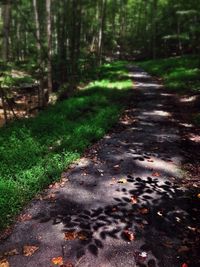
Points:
x=102, y=13
x=37, y=26
x=6, y=15
x=3, y=105
x=154, y=16
x=49, y=46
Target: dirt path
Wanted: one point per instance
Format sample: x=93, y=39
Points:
x=119, y=205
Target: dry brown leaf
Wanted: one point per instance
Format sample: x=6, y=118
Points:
x=168, y=244
x=156, y=174
x=183, y=249
x=70, y=235
x=129, y=234
x=143, y=210
x=11, y=252
x=4, y=263
x=51, y=196
x=114, y=209
x=25, y=217
x=57, y=261
x=29, y=250
x=82, y=236
x=134, y=200
x=150, y=160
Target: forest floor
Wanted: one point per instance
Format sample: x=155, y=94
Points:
x=125, y=203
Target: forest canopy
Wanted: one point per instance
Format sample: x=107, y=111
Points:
x=62, y=39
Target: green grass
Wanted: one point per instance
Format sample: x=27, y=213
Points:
x=180, y=74
x=34, y=152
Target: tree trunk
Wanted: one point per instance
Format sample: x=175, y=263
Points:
x=37, y=26
x=101, y=29
x=6, y=15
x=75, y=39
x=49, y=48
x=154, y=17
x=39, y=55
x=3, y=105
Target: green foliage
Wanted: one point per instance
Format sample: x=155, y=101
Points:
x=9, y=81
x=180, y=73
x=33, y=152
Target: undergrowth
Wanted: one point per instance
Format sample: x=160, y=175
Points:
x=34, y=152
x=181, y=74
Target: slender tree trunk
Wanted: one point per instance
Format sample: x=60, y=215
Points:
x=101, y=29
x=49, y=46
x=6, y=15
x=180, y=48
x=39, y=55
x=154, y=17
x=75, y=39
x=37, y=26
x=3, y=104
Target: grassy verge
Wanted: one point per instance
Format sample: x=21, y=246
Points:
x=180, y=74
x=33, y=152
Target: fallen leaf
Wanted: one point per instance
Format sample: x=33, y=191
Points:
x=4, y=263
x=122, y=181
x=29, y=250
x=134, y=200
x=129, y=234
x=50, y=196
x=168, y=244
x=143, y=210
x=183, y=249
x=70, y=235
x=198, y=195
x=192, y=228
x=82, y=236
x=150, y=160
x=114, y=209
x=57, y=260
x=25, y=217
x=156, y=174
x=11, y=252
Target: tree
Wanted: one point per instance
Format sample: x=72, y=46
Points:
x=6, y=16
x=49, y=45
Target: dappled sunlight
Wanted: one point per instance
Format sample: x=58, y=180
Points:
x=121, y=194
x=164, y=166
x=107, y=84
x=187, y=125
x=147, y=85
x=188, y=99
x=158, y=113
x=139, y=75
